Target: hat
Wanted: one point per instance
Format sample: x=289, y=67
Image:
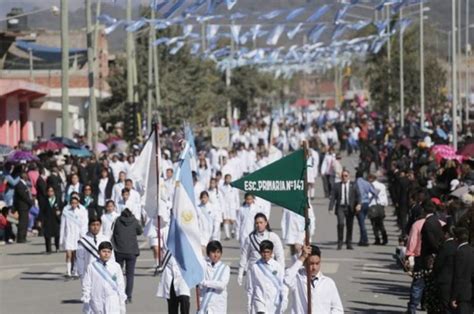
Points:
x=436, y=201
x=467, y=199
x=454, y=184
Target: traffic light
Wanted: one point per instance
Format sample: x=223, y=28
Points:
x=131, y=121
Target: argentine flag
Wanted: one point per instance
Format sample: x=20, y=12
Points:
x=184, y=236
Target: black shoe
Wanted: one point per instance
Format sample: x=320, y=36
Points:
x=350, y=247
x=128, y=301
x=363, y=244
x=339, y=246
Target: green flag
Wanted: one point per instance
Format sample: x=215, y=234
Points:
x=281, y=182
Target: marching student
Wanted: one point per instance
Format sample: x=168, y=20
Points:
x=108, y=219
x=324, y=295
x=313, y=168
x=211, y=216
x=266, y=288
x=231, y=204
x=172, y=286
x=250, y=252
x=151, y=228
x=103, y=287
x=88, y=246
x=216, y=278
x=293, y=231
x=246, y=217
x=74, y=221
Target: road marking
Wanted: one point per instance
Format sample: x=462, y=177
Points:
x=11, y=273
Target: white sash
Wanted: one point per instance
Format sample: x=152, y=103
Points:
x=104, y=273
x=209, y=291
x=275, y=281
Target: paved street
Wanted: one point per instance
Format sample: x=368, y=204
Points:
x=368, y=279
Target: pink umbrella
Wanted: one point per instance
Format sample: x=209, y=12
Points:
x=101, y=147
x=446, y=152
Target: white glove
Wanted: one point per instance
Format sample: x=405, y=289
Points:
x=240, y=277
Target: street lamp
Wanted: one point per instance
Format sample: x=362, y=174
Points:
x=11, y=19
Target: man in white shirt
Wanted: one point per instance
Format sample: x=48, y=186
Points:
x=377, y=210
x=324, y=295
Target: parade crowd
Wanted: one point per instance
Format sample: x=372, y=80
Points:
x=92, y=208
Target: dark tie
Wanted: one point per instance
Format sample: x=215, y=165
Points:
x=347, y=193
x=105, y=264
x=95, y=239
x=313, y=281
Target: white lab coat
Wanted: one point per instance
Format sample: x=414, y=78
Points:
x=231, y=201
x=108, y=220
x=216, y=288
x=171, y=274
x=210, y=220
x=83, y=256
x=292, y=226
x=250, y=251
x=264, y=292
x=313, y=166
x=99, y=294
x=72, y=229
x=246, y=221
x=324, y=295
x=117, y=191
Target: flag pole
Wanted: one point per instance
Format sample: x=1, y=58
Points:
x=157, y=160
x=198, y=295
x=307, y=222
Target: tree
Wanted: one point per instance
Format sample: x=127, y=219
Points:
x=384, y=77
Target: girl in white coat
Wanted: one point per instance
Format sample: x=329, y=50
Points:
x=211, y=215
x=103, y=287
x=230, y=205
x=74, y=225
x=214, y=285
x=250, y=251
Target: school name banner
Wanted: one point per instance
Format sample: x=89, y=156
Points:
x=281, y=182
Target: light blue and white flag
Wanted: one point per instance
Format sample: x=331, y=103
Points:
x=177, y=48
x=176, y=6
x=135, y=26
x=255, y=30
x=162, y=40
x=195, y=48
x=295, y=13
x=212, y=30
x=113, y=27
x=319, y=13
x=275, y=35
x=189, y=137
x=184, y=235
x=291, y=34
x=230, y=4
x=187, y=29
x=235, y=31
x=316, y=32
x=271, y=15
x=341, y=13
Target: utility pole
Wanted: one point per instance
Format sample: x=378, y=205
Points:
x=468, y=72
x=389, y=57
x=422, y=69
x=150, y=73
x=64, y=69
x=129, y=56
x=454, y=75
x=228, y=77
x=90, y=66
x=156, y=66
x=402, y=79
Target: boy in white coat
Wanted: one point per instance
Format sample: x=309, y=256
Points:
x=214, y=285
x=269, y=294
x=103, y=287
x=88, y=246
x=211, y=216
x=324, y=295
x=74, y=221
